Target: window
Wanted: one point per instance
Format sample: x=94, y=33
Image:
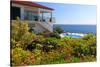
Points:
x=30, y=15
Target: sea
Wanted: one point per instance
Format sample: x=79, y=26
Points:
x=77, y=28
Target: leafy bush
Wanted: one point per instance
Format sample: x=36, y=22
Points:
x=35, y=43
x=50, y=34
x=89, y=36
x=53, y=57
x=90, y=43
x=58, y=30
x=89, y=58
x=21, y=57
x=46, y=48
x=46, y=34
x=49, y=44
x=19, y=34
x=81, y=46
x=54, y=34
x=38, y=56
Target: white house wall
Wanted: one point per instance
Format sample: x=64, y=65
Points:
x=23, y=8
x=38, y=27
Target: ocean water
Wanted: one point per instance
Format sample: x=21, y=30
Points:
x=77, y=28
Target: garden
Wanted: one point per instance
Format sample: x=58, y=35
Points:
x=29, y=48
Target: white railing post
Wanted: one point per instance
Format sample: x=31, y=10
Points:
x=38, y=15
x=22, y=13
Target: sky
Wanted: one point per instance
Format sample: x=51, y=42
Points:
x=73, y=13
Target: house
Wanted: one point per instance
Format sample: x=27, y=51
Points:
x=39, y=17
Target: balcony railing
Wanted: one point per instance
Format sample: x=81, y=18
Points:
x=44, y=21
x=40, y=19
x=47, y=19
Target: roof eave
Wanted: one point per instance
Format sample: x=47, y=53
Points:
x=32, y=4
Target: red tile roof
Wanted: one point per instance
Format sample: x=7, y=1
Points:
x=32, y=4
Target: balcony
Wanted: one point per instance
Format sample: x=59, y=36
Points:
x=45, y=22
x=40, y=19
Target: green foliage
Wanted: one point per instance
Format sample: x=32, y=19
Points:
x=38, y=56
x=54, y=34
x=54, y=57
x=89, y=36
x=36, y=43
x=49, y=44
x=75, y=59
x=48, y=48
x=22, y=57
x=58, y=30
x=19, y=34
x=50, y=34
x=89, y=58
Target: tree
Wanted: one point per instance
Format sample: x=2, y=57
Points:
x=58, y=29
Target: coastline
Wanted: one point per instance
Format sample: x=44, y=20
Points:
x=85, y=29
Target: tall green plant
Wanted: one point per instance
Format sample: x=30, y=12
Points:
x=20, y=34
